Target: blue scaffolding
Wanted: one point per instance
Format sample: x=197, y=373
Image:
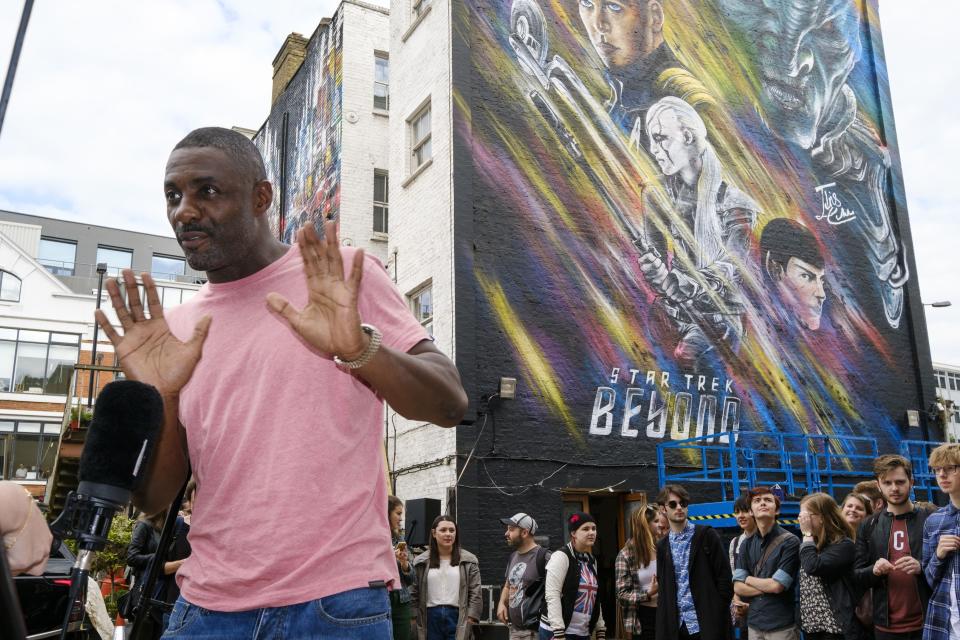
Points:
x=723, y=466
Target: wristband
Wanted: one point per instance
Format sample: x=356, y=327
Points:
x=372, y=347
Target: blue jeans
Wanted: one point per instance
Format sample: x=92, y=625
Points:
x=442, y=623
x=359, y=614
x=548, y=635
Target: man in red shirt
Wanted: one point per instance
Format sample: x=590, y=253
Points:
x=889, y=545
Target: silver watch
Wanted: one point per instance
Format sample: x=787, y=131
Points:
x=376, y=338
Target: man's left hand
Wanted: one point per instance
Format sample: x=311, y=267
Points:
x=908, y=564
x=330, y=322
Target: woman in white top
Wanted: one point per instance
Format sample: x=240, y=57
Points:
x=636, y=572
x=447, y=589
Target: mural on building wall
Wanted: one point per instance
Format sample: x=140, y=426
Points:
x=686, y=217
x=308, y=115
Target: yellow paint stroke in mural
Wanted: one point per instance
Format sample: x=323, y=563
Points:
x=539, y=372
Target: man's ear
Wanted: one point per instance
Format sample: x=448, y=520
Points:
x=688, y=137
x=262, y=196
x=655, y=13
x=774, y=268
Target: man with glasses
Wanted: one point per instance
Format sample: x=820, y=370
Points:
x=767, y=570
x=693, y=574
x=888, y=554
x=941, y=540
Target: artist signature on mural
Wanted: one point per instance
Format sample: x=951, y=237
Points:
x=833, y=210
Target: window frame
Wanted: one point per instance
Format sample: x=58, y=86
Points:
x=383, y=205
x=73, y=263
x=417, y=144
x=165, y=256
x=111, y=270
x=377, y=57
x=4, y=274
x=415, y=306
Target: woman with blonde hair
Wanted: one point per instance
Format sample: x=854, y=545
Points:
x=636, y=575
x=828, y=594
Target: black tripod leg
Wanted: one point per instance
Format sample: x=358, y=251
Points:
x=13, y=627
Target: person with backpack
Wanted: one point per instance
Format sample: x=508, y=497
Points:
x=522, y=596
x=636, y=575
x=572, y=610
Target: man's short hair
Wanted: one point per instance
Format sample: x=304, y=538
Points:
x=886, y=463
x=756, y=492
x=742, y=503
x=238, y=147
x=783, y=238
x=945, y=454
x=869, y=489
x=664, y=496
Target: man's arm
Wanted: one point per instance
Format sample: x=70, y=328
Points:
x=933, y=566
x=149, y=353
x=722, y=576
x=742, y=572
x=502, y=610
x=864, y=560
x=421, y=384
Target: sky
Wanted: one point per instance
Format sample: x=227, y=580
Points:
x=105, y=88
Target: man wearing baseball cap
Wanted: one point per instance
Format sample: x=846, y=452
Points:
x=522, y=594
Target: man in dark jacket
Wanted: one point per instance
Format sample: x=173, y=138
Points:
x=889, y=546
x=694, y=575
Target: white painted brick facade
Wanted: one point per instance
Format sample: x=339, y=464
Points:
x=421, y=218
x=365, y=134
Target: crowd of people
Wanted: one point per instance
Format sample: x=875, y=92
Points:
x=875, y=565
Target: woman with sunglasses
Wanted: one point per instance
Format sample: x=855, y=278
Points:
x=447, y=589
x=571, y=608
x=636, y=574
x=827, y=592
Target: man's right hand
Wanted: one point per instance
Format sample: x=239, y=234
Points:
x=882, y=567
x=654, y=269
x=947, y=545
x=502, y=613
x=147, y=351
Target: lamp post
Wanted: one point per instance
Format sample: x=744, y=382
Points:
x=939, y=304
x=101, y=269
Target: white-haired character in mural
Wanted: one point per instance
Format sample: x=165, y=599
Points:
x=711, y=232
x=639, y=66
x=793, y=261
x=805, y=51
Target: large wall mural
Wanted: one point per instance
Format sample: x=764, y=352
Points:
x=300, y=141
x=686, y=219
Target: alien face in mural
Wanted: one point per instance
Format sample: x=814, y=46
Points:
x=794, y=262
x=623, y=32
x=805, y=50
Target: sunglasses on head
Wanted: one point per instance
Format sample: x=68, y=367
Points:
x=673, y=504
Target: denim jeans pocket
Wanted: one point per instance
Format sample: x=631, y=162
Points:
x=355, y=608
x=182, y=616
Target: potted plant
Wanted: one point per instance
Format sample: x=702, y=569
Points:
x=80, y=418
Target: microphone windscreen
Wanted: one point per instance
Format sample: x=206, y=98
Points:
x=126, y=421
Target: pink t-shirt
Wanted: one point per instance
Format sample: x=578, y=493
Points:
x=287, y=449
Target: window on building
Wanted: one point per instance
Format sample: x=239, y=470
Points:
x=58, y=256
x=115, y=258
x=381, y=82
x=37, y=361
x=27, y=449
x=422, y=302
x=420, y=7
x=941, y=379
x=381, y=201
x=167, y=267
x=420, y=137
x=9, y=287
x=954, y=380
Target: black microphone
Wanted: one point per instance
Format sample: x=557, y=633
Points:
x=126, y=420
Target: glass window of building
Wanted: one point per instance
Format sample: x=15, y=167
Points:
x=37, y=361
x=116, y=259
x=9, y=287
x=167, y=267
x=58, y=256
x=422, y=303
x=27, y=450
x=381, y=205
x=381, y=82
x=420, y=135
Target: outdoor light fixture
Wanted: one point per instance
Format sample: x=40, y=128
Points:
x=913, y=418
x=508, y=388
x=939, y=304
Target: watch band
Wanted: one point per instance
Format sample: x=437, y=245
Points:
x=376, y=338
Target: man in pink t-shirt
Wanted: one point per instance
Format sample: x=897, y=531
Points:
x=273, y=378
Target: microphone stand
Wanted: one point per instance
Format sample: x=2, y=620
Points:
x=148, y=602
x=10, y=605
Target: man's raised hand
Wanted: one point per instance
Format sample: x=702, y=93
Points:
x=147, y=351
x=330, y=322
